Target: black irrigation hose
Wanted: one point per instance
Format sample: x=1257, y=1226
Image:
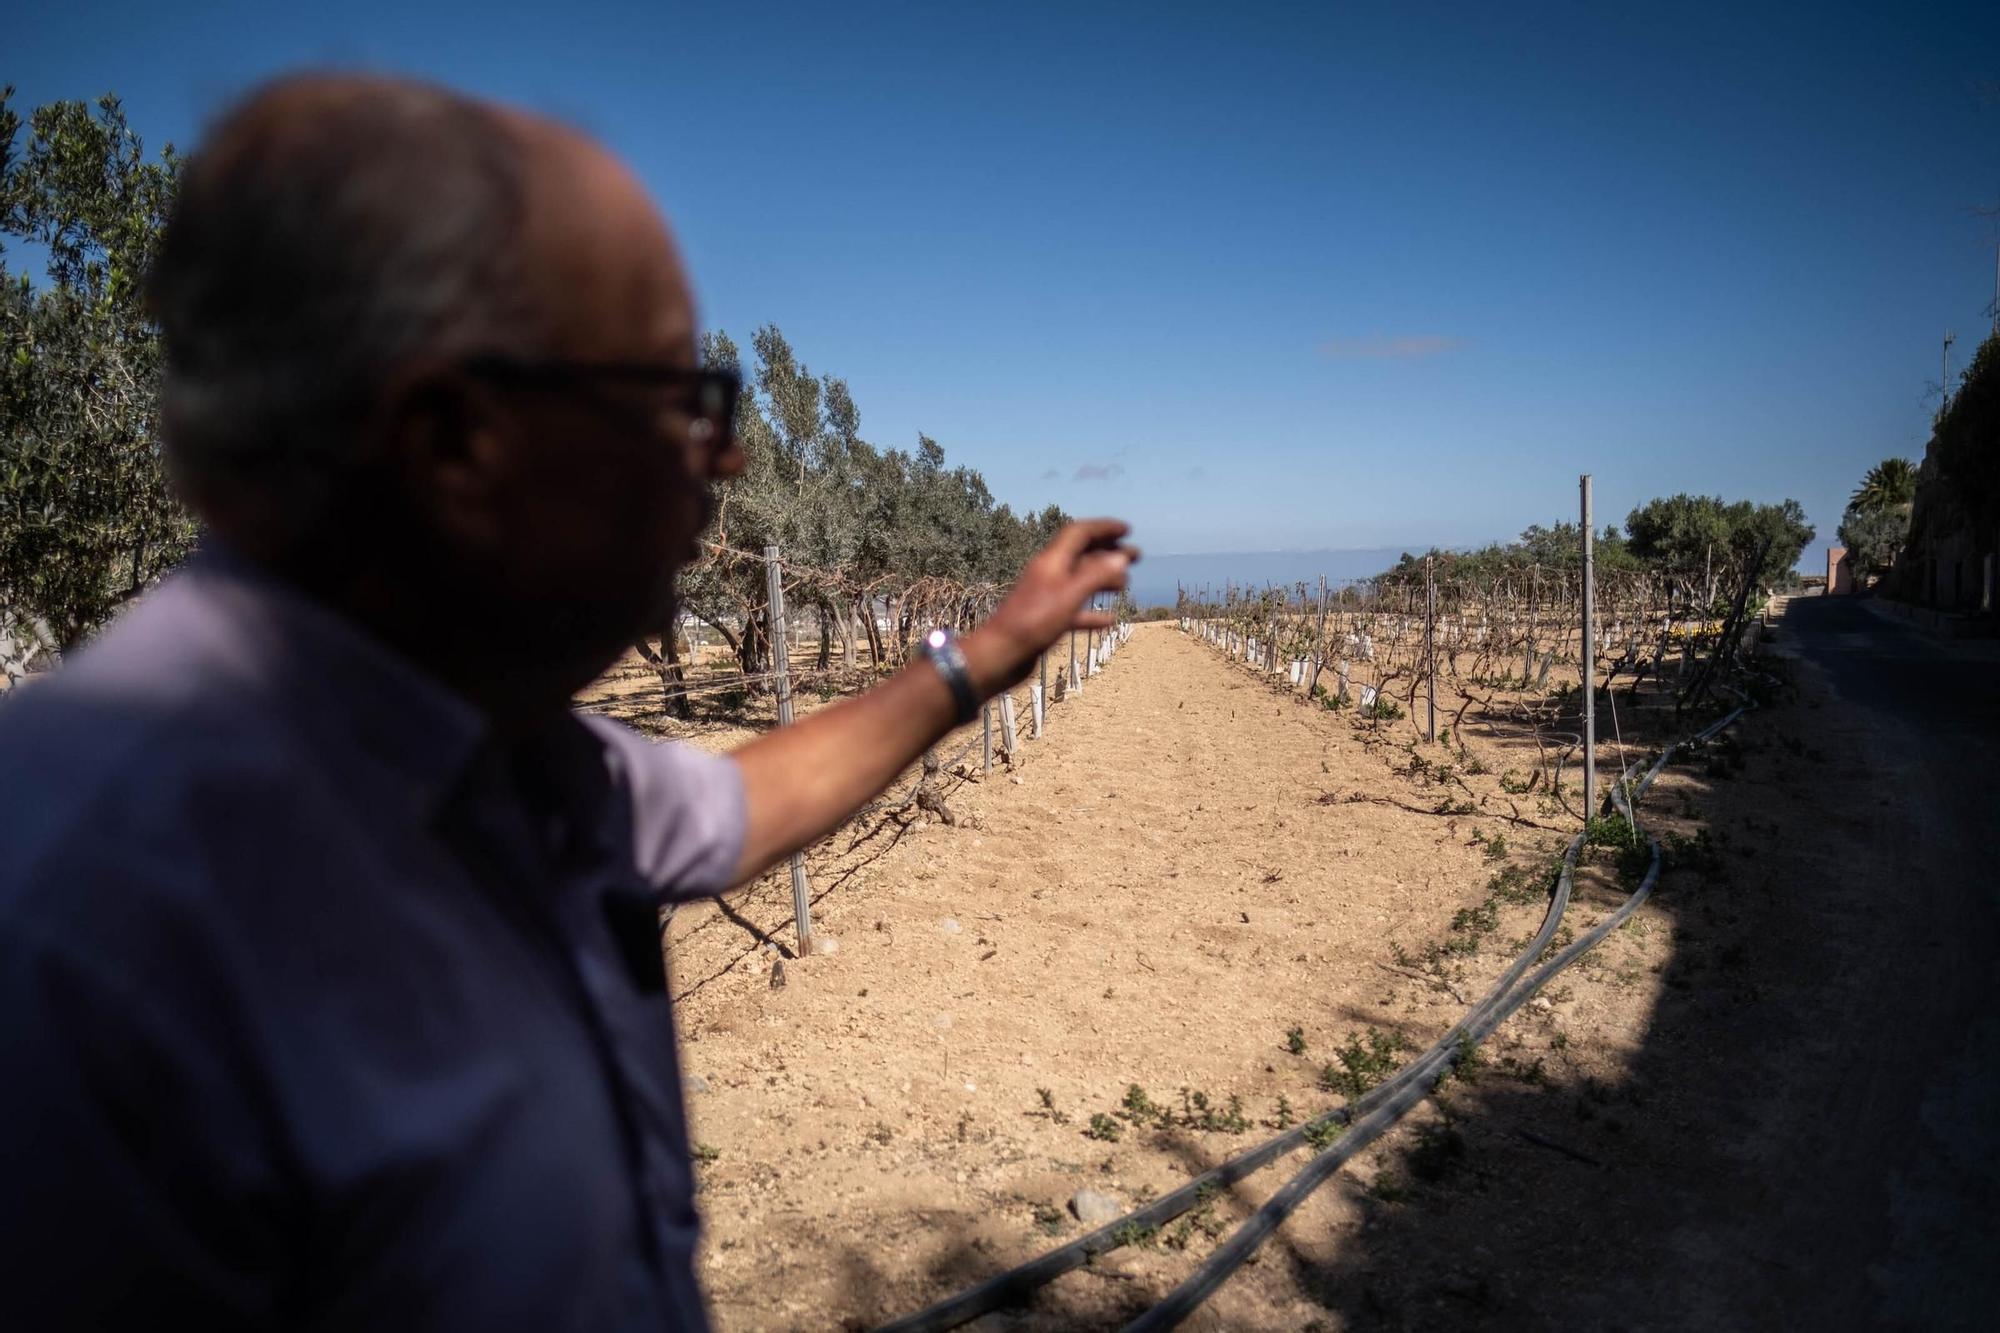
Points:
x=1219, y=1266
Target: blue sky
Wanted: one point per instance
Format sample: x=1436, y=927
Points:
x=1258, y=277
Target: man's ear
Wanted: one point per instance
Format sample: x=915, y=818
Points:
x=447, y=435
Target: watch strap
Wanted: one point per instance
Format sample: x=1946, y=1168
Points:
x=941, y=647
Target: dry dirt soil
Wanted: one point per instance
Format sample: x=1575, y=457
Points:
x=1191, y=865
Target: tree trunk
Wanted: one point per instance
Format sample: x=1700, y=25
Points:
x=825, y=658
x=901, y=630
x=673, y=678
x=871, y=625
x=736, y=647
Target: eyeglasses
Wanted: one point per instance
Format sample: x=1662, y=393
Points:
x=709, y=397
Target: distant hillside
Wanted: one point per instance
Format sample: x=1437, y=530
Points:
x=1154, y=578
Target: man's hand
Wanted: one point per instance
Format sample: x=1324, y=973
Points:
x=1050, y=599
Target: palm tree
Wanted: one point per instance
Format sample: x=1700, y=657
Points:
x=1890, y=483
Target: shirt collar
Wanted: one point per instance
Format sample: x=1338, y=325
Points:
x=354, y=690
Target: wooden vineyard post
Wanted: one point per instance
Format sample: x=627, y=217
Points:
x=1038, y=699
x=1430, y=643
x=1007, y=734
x=774, y=584
x=1318, y=657
x=1589, y=660
x=986, y=737
x=1534, y=608
x=1075, y=681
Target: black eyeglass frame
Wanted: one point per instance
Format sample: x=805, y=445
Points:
x=713, y=395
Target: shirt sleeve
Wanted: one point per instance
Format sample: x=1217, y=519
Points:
x=689, y=813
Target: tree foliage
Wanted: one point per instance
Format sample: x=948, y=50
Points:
x=827, y=497
x=1876, y=522
x=881, y=519
x=1891, y=482
x=1698, y=544
x=86, y=516
x=1874, y=537
x=1553, y=548
x=1961, y=473
x=1703, y=543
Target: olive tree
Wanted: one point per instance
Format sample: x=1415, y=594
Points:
x=87, y=519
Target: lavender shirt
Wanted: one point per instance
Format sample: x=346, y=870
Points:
x=320, y=1009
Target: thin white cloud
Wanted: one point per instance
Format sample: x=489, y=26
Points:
x=1098, y=472
x=1389, y=347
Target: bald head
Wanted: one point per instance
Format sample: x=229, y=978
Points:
x=430, y=358
x=605, y=277
x=334, y=233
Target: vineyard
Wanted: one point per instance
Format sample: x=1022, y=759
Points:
x=1235, y=892
x=1504, y=650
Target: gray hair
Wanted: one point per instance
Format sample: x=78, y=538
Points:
x=328, y=231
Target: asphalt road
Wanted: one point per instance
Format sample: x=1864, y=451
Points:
x=1943, y=696
x=1890, y=1209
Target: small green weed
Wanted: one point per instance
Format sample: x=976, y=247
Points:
x=1136, y=1234
x=1471, y=1060
x=1321, y=1133
x=1437, y=1153
x=1698, y=853
x=1519, y=885
x=1361, y=1065
x=1138, y=1107
x=1389, y=1189
x=1196, y=1113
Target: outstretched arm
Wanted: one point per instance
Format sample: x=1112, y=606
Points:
x=801, y=781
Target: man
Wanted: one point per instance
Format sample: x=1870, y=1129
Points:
x=327, y=944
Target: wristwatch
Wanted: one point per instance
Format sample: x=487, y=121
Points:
x=940, y=647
